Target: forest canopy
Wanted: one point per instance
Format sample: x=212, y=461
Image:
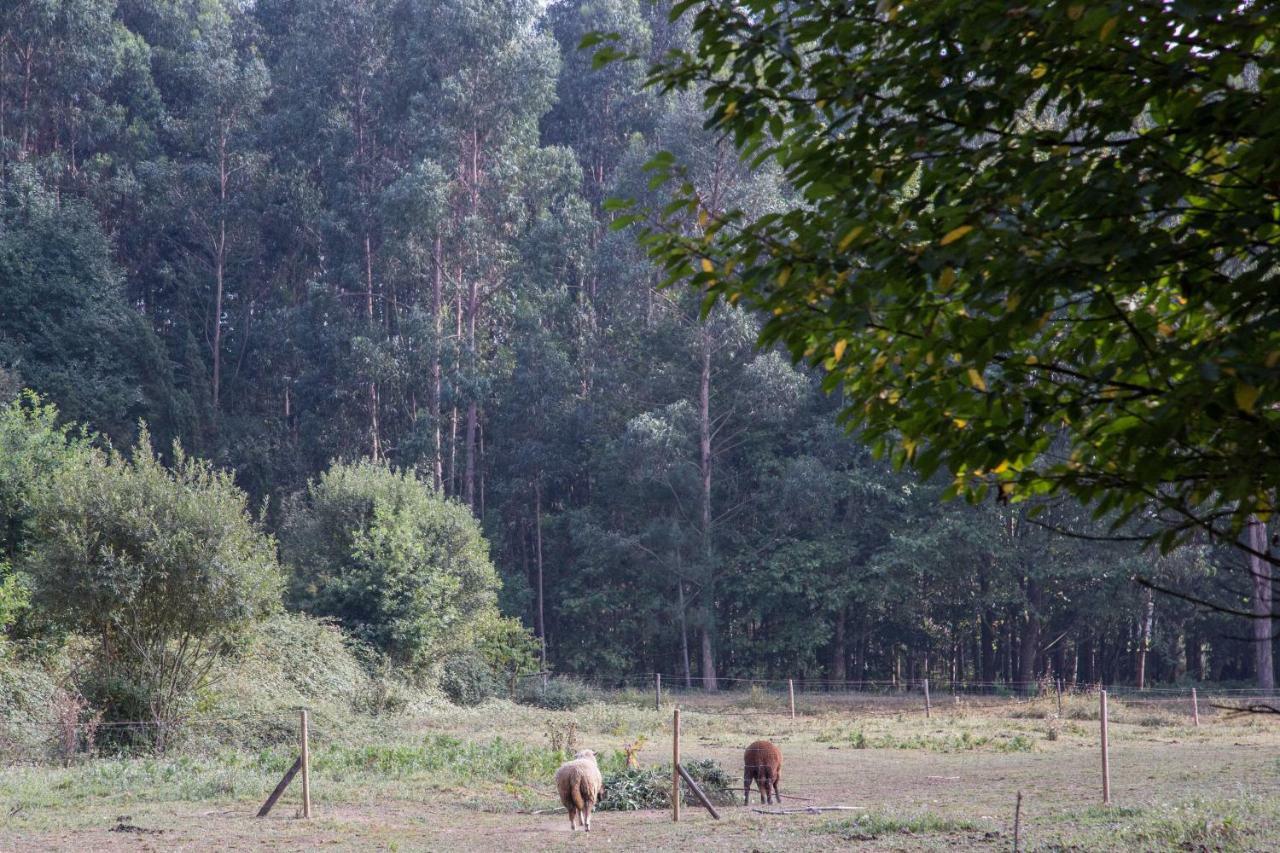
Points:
x=359, y=255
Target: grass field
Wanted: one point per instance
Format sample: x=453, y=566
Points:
x=480, y=779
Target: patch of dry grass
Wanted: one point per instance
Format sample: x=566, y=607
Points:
x=480, y=778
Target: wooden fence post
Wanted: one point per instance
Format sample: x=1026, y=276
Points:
x=303, y=764
x=1195, y=707
x=1106, y=758
x=306, y=766
x=928, y=708
x=697, y=792
x=279, y=789
x=675, y=766
x=657, y=691
x=791, y=691
x=1017, y=825
x=1058, y=684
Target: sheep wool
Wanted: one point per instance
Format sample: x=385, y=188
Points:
x=580, y=787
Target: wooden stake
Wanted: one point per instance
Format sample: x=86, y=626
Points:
x=1017, y=824
x=697, y=792
x=928, y=707
x=1058, y=684
x=791, y=691
x=675, y=766
x=306, y=767
x=1195, y=707
x=657, y=691
x=284, y=783
x=1106, y=759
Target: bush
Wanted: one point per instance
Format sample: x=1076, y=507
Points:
x=396, y=563
x=27, y=719
x=558, y=694
x=468, y=680
x=162, y=567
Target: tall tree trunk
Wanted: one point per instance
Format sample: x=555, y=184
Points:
x=1030, y=640
x=374, y=431
x=453, y=418
x=684, y=627
x=704, y=454
x=986, y=635
x=469, y=477
x=219, y=272
x=709, y=682
x=1260, y=571
x=437, y=312
x=537, y=519
x=987, y=639
x=839, y=651
x=1144, y=639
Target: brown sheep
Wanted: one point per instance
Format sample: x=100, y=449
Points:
x=762, y=763
x=580, y=787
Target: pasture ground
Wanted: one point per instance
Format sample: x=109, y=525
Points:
x=480, y=779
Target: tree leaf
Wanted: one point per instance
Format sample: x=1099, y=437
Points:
x=955, y=234
x=1246, y=396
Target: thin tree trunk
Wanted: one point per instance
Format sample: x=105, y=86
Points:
x=469, y=477
x=1030, y=640
x=839, y=651
x=374, y=430
x=453, y=418
x=709, y=682
x=704, y=444
x=480, y=451
x=537, y=518
x=437, y=306
x=684, y=630
x=1144, y=640
x=1260, y=571
x=219, y=272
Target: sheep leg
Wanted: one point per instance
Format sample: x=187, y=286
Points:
x=573, y=822
x=746, y=792
x=776, y=796
x=587, y=812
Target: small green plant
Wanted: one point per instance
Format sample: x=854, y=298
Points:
x=563, y=736
x=868, y=827
x=1017, y=743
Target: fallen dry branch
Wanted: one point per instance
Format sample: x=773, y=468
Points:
x=1243, y=710
x=812, y=810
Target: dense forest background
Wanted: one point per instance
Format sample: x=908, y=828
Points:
x=289, y=232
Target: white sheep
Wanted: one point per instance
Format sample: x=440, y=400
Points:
x=580, y=787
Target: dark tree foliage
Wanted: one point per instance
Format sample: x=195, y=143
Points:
x=375, y=233
x=1036, y=245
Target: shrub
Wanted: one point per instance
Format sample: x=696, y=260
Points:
x=558, y=694
x=162, y=567
x=27, y=716
x=467, y=679
x=396, y=563
x=33, y=444
x=293, y=661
